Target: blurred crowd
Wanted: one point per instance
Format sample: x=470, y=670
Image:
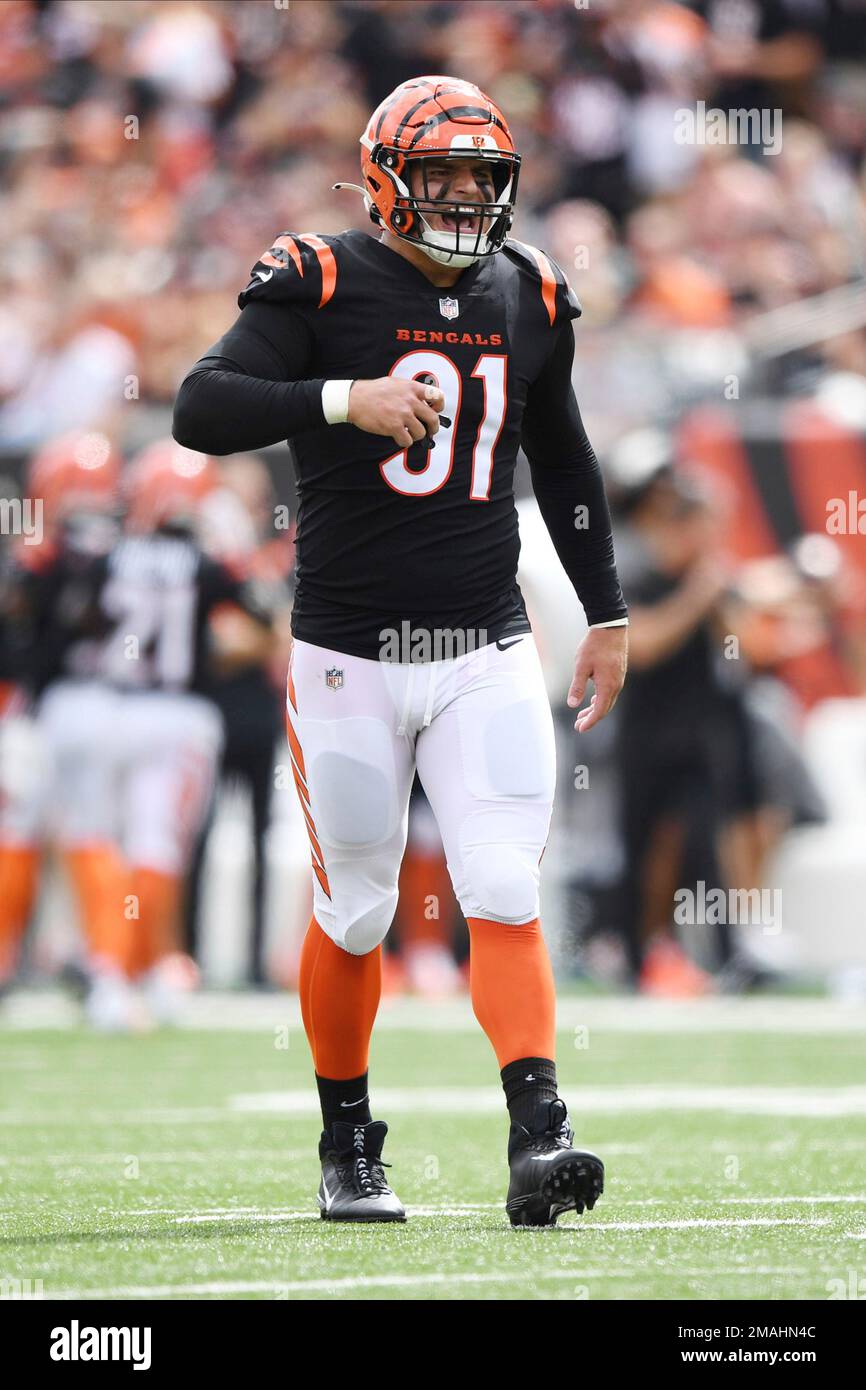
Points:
x=149, y=152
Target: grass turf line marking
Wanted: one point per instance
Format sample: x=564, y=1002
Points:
x=859, y=1198
x=221, y=1011
x=73, y=1160
x=790, y=1101
x=435, y=1211
x=805, y=1101
x=349, y=1282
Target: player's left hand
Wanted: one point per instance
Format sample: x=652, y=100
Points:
x=602, y=657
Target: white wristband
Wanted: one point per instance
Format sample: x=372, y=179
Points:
x=335, y=401
x=614, y=622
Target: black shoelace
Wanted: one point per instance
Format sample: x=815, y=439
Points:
x=366, y=1174
x=559, y=1138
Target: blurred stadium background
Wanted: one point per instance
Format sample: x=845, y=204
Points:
x=150, y=151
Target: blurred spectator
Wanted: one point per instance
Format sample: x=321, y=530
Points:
x=149, y=151
x=684, y=748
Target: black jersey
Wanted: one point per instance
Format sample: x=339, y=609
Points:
x=136, y=617
x=424, y=538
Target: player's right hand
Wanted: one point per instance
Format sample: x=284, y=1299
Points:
x=406, y=410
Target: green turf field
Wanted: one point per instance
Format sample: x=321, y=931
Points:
x=182, y=1164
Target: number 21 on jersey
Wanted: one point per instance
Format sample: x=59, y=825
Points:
x=492, y=371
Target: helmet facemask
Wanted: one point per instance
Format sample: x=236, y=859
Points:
x=479, y=229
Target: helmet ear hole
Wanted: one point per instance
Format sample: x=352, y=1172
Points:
x=404, y=221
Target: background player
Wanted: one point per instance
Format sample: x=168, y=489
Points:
x=57, y=740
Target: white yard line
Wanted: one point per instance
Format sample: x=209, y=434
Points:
x=707, y=1223
x=853, y=1198
x=76, y=1160
x=275, y=1215
x=808, y=1101
x=110, y=1119
x=805, y=1102
x=246, y=1012
x=681, y=1224
x=346, y=1284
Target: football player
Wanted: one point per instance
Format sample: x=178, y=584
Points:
x=160, y=595
x=118, y=654
x=407, y=370
x=52, y=609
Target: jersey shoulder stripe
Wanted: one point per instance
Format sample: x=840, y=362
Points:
x=557, y=296
x=298, y=268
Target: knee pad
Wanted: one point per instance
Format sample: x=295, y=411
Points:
x=501, y=882
x=358, y=931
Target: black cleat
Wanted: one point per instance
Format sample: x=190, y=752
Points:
x=353, y=1186
x=548, y=1176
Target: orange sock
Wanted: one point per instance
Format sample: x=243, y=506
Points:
x=18, y=875
x=424, y=876
x=155, y=930
x=99, y=884
x=511, y=983
x=339, y=998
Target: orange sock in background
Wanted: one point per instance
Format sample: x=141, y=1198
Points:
x=424, y=877
x=511, y=983
x=99, y=884
x=154, y=933
x=19, y=866
x=339, y=999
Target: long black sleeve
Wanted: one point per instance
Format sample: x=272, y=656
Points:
x=249, y=390
x=567, y=482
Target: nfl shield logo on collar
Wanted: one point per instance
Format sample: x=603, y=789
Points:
x=334, y=678
x=449, y=308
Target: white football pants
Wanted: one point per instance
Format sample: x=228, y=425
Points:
x=478, y=728
x=134, y=768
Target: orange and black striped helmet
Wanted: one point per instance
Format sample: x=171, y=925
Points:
x=166, y=483
x=77, y=471
x=428, y=121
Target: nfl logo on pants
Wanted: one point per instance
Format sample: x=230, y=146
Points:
x=334, y=678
